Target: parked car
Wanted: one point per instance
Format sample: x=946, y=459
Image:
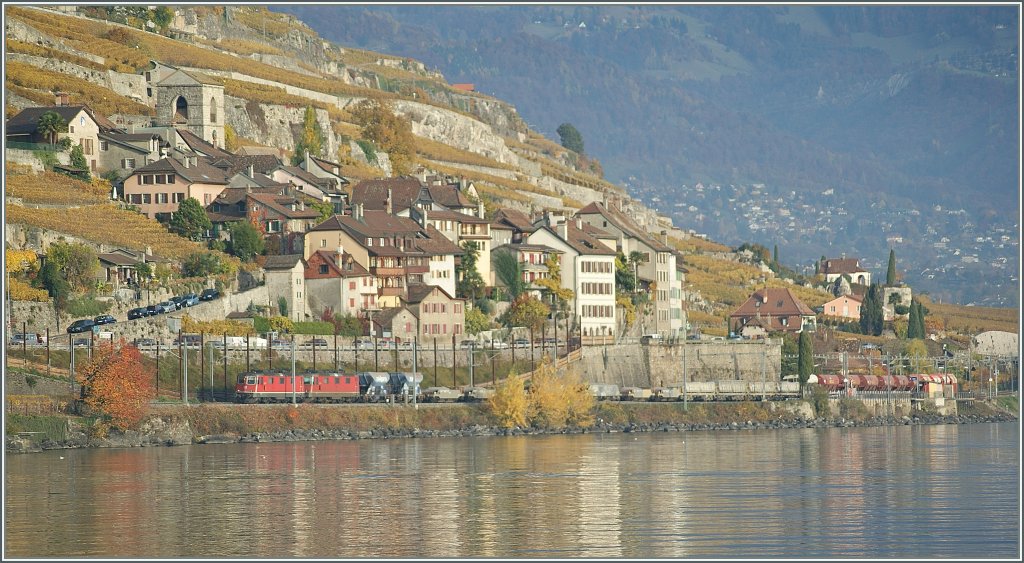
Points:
x=137, y=313
x=145, y=342
x=521, y=343
x=81, y=325
x=649, y=339
x=209, y=294
x=105, y=320
x=178, y=301
x=189, y=300
x=318, y=342
x=81, y=342
x=166, y=307
x=29, y=338
x=498, y=345
x=281, y=344
x=190, y=340
x=152, y=310
x=467, y=344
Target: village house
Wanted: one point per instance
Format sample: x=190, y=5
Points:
x=335, y=281
x=387, y=246
x=845, y=307
x=124, y=152
x=657, y=272
x=321, y=189
x=82, y=127
x=769, y=310
x=158, y=188
x=587, y=267
x=834, y=268
x=532, y=259
x=325, y=170
x=285, y=278
x=439, y=314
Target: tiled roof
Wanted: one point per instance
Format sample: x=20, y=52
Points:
x=349, y=268
x=282, y=262
x=625, y=224
x=373, y=194
x=261, y=163
x=307, y=177
x=280, y=204
x=200, y=173
x=198, y=144
x=516, y=219
x=774, y=301
x=437, y=243
x=841, y=266
x=449, y=196
x=417, y=293
x=456, y=216
x=384, y=317
x=25, y=121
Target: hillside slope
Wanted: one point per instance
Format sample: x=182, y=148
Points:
x=269, y=76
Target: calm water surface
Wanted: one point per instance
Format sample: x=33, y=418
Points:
x=901, y=492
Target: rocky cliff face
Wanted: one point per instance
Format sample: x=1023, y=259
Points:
x=275, y=125
x=456, y=130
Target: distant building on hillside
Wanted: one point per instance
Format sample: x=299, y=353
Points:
x=834, y=268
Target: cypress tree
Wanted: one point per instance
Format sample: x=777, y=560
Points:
x=806, y=360
x=912, y=322
x=878, y=317
x=890, y=274
x=920, y=321
x=866, y=324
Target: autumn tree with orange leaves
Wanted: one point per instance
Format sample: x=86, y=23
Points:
x=114, y=384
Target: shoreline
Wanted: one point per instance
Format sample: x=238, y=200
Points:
x=173, y=430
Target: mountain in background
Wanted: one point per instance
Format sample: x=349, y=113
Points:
x=886, y=109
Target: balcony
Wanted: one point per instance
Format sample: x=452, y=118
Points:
x=381, y=272
x=391, y=291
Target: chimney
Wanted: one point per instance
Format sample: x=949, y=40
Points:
x=357, y=212
x=387, y=202
x=252, y=171
x=339, y=255
x=306, y=161
x=563, y=230
x=480, y=209
x=185, y=161
x=664, y=237
x=579, y=223
x=62, y=99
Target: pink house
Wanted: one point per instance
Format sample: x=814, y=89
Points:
x=845, y=307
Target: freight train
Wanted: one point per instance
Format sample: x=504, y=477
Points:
x=278, y=386
x=738, y=390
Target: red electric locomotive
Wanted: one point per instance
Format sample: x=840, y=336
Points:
x=312, y=387
x=269, y=387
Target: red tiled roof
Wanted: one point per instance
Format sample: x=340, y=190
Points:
x=841, y=266
x=774, y=301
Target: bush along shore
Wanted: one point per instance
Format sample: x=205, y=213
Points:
x=221, y=424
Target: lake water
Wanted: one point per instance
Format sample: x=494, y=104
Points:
x=893, y=492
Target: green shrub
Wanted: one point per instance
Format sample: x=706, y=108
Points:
x=819, y=400
x=368, y=150
x=313, y=327
x=86, y=306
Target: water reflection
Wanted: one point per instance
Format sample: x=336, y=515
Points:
x=929, y=491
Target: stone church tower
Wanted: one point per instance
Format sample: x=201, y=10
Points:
x=192, y=101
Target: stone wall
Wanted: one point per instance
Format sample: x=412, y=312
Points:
x=654, y=366
x=22, y=156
